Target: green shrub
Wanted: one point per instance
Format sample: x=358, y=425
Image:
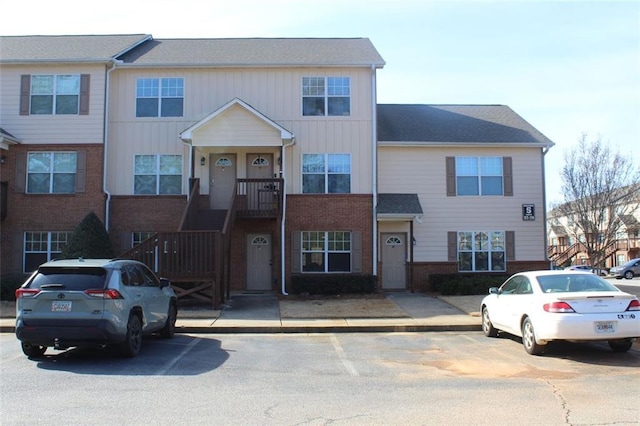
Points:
x=89, y=240
x=465, y=284
x=333, y=284
x=8, y=285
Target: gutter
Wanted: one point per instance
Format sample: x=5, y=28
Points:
x=544, y=151
x=284, y=216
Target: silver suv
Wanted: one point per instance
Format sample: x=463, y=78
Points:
x=628, y=270
x=93, y=302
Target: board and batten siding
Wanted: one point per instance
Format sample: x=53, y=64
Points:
x=422, y=170
x=52, y=129
x=274, y=92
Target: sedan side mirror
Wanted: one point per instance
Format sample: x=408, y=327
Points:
x=494, y=290
x=164, y=282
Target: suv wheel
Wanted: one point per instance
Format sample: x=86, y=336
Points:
x=169, y=328
x=33, y=351
x=133, y=342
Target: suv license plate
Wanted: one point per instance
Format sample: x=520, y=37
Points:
x=605, y=326
x=58, y=306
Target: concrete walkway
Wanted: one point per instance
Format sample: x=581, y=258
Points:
x=249, y=313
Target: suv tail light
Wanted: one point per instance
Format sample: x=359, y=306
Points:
x=108, y=293
x=558, y=307
x=634, y=305
x=26, y=292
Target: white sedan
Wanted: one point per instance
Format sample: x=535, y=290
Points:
x=542, y=306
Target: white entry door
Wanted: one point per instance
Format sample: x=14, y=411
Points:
x=393, y=250
x=222, y=169
x=259, y=262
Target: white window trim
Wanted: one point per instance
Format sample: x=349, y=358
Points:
x=325, y=253
x=325, y=96
x=158, y=174
x=325, y=172
x=55, y=92
x=473, y=251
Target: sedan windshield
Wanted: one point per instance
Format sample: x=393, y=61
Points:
x=573, y=283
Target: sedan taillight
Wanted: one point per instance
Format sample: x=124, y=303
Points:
x=26, y=292
x=108, y=293
x=634, y=305
x=558, y=307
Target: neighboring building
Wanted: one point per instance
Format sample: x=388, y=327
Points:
x=566, y=241
x=249, y=161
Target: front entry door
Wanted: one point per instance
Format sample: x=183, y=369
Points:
x=222, y=169
x=258, y=262
x=393, y=249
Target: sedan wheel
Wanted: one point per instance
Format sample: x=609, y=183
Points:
x=628, y=275
x=529, y=339
x=133, y=342
x=487, y=327
x=622, y=345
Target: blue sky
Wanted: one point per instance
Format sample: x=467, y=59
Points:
x=567, y=67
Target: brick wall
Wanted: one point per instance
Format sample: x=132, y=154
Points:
x=148, y=213
x=46, y=212
x=331, y=212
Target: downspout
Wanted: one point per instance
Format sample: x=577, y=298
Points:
x=544, y=207
x=374, y=161
x=105, y=131
x=284, y=216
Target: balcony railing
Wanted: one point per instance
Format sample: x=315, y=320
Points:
x=259, y=198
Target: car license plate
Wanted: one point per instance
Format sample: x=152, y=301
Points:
x=605, y=326
x=58, y=306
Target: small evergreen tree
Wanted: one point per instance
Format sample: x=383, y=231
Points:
x=89, y=240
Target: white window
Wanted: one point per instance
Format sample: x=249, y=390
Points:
x=481, y=251
x=326, y=251
x=138, y=237
x=51, y=172
x=41, y=247
x=326, y=96
x=159, y=97
x=326, y=173
x=479, y=176
x=157, y=174
x=55, y=94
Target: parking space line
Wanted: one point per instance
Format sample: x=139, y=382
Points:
x=175, y=360
x=343, y=356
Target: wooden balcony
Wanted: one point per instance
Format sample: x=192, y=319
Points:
x=258, y=198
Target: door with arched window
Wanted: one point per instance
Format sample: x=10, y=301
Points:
x=222, y=169
x=393, y=253
x=260, y=196
x=259, y=262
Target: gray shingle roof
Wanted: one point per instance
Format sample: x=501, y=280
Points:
x=402, y=204
x=66, y=48
x=256, y=51
x=455, y=124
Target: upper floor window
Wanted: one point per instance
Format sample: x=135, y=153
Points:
x=326, y=251
x=51, y=172
x=326, y=173
x=159, y=97
x=326, y=96
x=55, y=94
x=157, y=174
x=482, y=251
x=479, y=175
x=140, y=236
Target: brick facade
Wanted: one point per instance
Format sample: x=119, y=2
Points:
x=46, y=212
x=150, y=213
x=331, y=212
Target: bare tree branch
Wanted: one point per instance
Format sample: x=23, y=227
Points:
x=599, y=187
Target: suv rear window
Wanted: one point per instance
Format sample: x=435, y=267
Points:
x=73, y=279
